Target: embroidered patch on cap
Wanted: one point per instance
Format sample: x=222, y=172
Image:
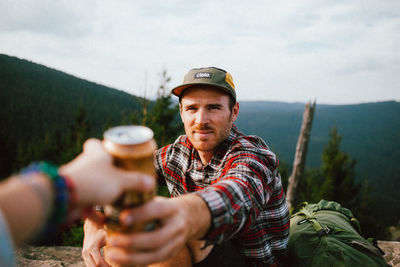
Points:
x=201, y=75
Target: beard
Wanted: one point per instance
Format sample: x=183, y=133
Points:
x=209, y=143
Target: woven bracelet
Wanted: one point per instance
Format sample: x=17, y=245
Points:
x=62, y=201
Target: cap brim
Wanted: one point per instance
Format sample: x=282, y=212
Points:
x=179, y=89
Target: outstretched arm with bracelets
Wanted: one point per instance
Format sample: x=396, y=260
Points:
x=47, y=197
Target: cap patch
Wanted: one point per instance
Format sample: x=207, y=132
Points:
x=202, y=75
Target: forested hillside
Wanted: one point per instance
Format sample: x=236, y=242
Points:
x=37, y=102
x=371, y=134
x=42, y=109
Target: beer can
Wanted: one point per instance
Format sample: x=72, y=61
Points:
x=132, y=148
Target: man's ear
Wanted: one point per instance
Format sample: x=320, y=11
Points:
x=235, y=111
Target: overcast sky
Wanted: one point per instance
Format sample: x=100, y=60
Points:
x=337, y=52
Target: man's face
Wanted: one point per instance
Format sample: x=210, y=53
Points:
x=206, y=116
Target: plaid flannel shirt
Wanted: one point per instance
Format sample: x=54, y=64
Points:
x=242, y=189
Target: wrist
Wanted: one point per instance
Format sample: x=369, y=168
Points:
x=197, y=215
x=44, y=178
x=69, y=172
x=76, y=175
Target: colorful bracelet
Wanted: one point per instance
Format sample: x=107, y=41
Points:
x=64, y=197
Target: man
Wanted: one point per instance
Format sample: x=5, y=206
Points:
x=228, y=206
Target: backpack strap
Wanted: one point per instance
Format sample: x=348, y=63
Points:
x=309, y=217
x=307, y=210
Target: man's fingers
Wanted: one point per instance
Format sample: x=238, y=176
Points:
x=89, y=261
x=158, y=209
x=87, y=257
x=139, y=241
x=98, y=258
x=168, y=232
x=135, y=180
x=138, y=257
x=93, y=258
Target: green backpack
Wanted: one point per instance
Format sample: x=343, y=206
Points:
x=327, y=234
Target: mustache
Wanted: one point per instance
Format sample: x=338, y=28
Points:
x=202, y=127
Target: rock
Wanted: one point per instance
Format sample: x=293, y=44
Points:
x=392, y=252
x=71, y=256
x=49, y=256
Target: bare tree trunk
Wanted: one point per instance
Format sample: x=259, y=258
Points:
x=301, y=152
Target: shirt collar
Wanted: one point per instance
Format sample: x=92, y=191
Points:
x=219, y=154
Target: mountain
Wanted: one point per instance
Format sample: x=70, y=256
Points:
x=36, y=100
x=370, y=131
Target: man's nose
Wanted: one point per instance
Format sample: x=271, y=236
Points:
x=202, y=116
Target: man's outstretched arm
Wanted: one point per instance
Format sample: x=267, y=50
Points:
x=180, y=220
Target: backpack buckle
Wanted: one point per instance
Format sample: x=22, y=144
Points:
x=302, y=221
x=328, y=229
x=324, y=231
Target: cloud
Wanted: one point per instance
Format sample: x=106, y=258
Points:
x=59, y=18
x=276, y=50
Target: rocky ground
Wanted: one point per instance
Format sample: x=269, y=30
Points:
x=392, y=252
x=50, y=257
x=71, y=256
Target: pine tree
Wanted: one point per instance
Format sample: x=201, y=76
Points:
x=339, y=184
x=338, y=172
x=163, y=118
x=334, y=179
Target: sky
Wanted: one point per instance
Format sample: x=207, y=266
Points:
x=334, y=52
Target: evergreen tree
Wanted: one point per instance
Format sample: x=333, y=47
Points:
x=163, y=118
x=338, y=172
x=334, y=180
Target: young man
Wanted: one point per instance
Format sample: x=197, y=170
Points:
x=228, y=206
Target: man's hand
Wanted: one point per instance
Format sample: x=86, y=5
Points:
x=94, y=240
x=179, y=220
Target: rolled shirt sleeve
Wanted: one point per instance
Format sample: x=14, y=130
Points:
x=239, y=196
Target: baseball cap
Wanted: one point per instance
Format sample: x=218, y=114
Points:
x=212, y=76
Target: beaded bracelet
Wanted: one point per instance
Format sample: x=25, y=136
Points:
x=64, y=197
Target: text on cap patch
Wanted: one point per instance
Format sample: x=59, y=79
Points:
x=199, y=75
